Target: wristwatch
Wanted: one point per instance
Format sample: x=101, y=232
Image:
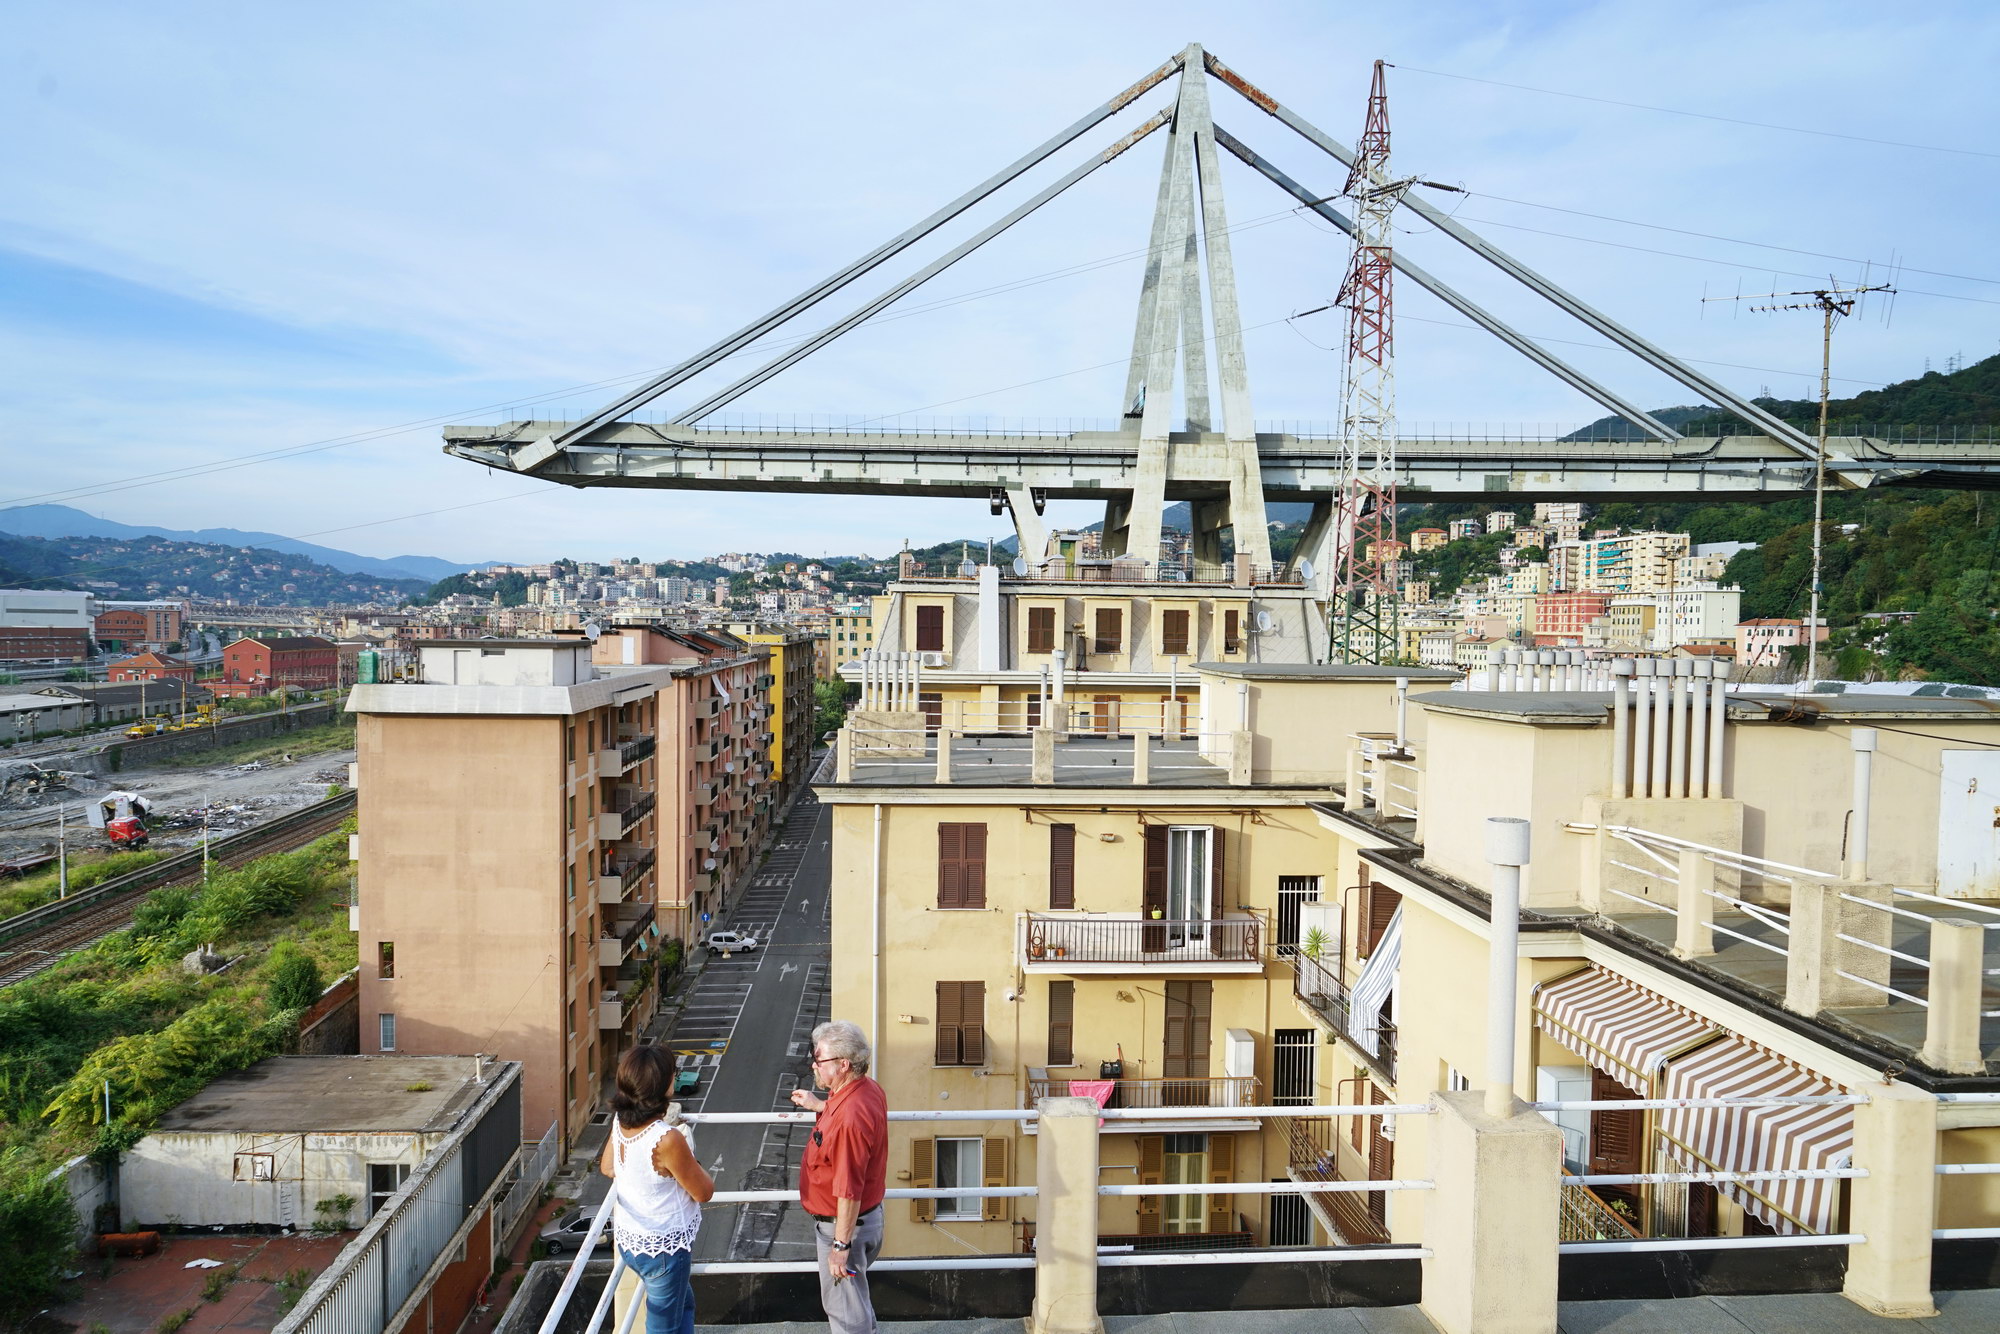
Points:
x=841, y=1245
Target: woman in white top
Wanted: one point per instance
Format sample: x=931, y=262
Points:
x=659, y=1185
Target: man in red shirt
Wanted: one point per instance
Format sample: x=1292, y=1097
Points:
x=844, y=1172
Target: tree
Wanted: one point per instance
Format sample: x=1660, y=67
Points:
x=831, y=701
x=36, y=1224
x=293, y=977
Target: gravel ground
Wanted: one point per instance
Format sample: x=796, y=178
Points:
x=241, y=796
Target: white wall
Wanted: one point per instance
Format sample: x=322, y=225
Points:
x=190, y=1178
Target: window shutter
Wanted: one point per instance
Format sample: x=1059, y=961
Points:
x=1217, y=895
x=930, y=628
x=1110, y=630
x=1062, y=1023
x=1221, y=1169
x=972, y=1022
x=1201, y=998
x=1041, y=629
x=1152, y=1166
x=1232, y=633
x=949, y=1011
x=1174, y=633
x=1062, y=866
x=951, y=865
x=923, y=1176
x=994, y=1171
x=1378, y=905
x=1614, y=1136
x=1034, y=712
x=1153, y=890
x=973, y=866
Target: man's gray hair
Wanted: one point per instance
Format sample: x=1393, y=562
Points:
x=845, y=1041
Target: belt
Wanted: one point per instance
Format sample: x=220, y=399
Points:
x=828, y=1218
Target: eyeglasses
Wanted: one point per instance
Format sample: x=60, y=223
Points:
x=822, y=1060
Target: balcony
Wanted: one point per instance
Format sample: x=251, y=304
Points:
x=625, y=933
x=1357, y=1218
x=625, y=811
x=622, y=873
x=1320, y=991
x=1221, y=1093
x=615, y=760
x=1129, y=943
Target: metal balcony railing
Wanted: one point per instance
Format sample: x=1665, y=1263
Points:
x=633, y=749
x=1220, y=1091
x=631, y=808
x=1586, y=1216
x=1154, y=941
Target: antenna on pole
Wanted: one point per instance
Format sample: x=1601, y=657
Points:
x=1365, y=588
x=1834, y=303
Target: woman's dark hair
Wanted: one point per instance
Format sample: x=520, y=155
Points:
x=645, y=1079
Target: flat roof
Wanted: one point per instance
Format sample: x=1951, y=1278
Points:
x=306, y=1094
x=1586, y=706
x=574, y=641
x=1325, y=671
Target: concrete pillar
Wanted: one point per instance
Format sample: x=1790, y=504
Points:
x=1895, y=1205
x=1491, y=1222
x=1422, y=784
x=1066, y=1219
x=1816, y=956
x=1694, y=925
x=843, y=756
x=943, y=755
x=1142, y=759
x=1951, y=1028
x=1356, y=798
x=1043, y=764
x=1241, y=755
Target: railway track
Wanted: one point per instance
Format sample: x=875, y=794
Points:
x=36, y=939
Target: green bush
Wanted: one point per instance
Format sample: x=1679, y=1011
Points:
x=292, y=978
x=162, y=910
x=36, y=1224
x=152, y=1072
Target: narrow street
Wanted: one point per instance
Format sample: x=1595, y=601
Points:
x=747, y=1026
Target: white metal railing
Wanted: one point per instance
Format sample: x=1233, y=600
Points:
x=532, y=1171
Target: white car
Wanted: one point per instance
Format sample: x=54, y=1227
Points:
x=730, y=942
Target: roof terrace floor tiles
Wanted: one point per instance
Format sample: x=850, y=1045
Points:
x=1079, y=762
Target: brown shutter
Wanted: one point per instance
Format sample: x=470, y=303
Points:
x=1062, y=1023
x=930, y=628
x=1153, y=890
x=1034, y=712
x=1381, y=1157
x=1201, y=1000
x=993, y=1163
x=923, y=1176
x=1174, y=633
x=1041, y=629
x=1152, y=1166
x=1217, y=886
x=949, y=1012
x=1378, y=905
x=1062, y=866
x=951, y=866
x=1232, y=633
x=974, y=865
x=1617, y=1139
x=1221, y=1169
x=972, y=1022
x=1110, y=630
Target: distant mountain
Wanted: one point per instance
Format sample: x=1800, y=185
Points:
x=62, y=521
x=152, y=567
x=1617, y=428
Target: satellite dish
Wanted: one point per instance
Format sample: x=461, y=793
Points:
x=592, y=630
x=1305, y=569
x=1264, y=622
x=1020, y=566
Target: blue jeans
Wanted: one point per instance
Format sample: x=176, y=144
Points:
x=669, y=1290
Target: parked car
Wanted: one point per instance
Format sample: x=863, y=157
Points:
x=720, y=942
x=567, y=1231
x=686, y=1082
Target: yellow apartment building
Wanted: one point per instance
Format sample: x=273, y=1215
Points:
x=1727, y=897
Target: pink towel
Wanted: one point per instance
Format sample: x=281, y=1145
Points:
x=1098, y=1091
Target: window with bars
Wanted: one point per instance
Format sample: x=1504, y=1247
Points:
x=1293, y=891
x=961, y=866
x=1062, y=1023
x=1062, y=866
x=1292, y=1067
x=961, y=1023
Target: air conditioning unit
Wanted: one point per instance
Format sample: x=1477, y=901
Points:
x=934, y=658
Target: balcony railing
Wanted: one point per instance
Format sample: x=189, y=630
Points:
x=626, y=753
x=1053, y=944
x=1223, y=1091
x=630, y=808
x=1587, y=1217
x=1313, y=1154
x=1320, y=989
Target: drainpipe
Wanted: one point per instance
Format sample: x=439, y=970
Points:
x=1863, y=740
x=875, y=932
x=1402, y=712
x=1507, y=850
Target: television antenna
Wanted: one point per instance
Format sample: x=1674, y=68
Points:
x=1834, y=303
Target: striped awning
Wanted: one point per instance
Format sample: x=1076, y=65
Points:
x=1750, y=1139
x=1618, y=1026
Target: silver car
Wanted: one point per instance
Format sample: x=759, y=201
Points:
x=565, y=1233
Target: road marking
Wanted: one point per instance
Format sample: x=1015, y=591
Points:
x=787, y=970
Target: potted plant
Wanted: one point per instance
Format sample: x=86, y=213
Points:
x=1313, y=946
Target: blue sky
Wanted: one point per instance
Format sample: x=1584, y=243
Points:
x=237, y=228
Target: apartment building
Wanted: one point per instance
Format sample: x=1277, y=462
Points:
x=995, y=651
x=1464, y=528
x=1562, y=617
x=1302, y=912
x=1614, y=562
x=1428, y=539
x=1762, y=641
x=259, y=664
x=1009, y=931
x=794, y=656
x=130, y=627
x=538, y=816
x=850, y=632
x=1500, y=521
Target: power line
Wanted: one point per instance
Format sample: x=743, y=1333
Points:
x=1701, y=115
x=1733, y=240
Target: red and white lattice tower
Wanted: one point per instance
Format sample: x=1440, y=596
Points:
x=1366, y=589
